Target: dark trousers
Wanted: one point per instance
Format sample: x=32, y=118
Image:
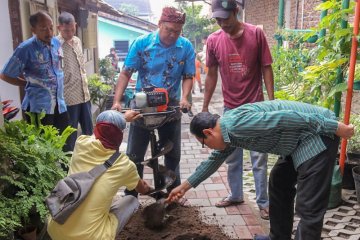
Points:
x=313, y=180
x=79, y=113
x=138, y=143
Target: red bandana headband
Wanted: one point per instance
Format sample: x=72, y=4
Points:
x=109, y=135
x=170, y=14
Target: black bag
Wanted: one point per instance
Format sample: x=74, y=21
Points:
x=70, y=191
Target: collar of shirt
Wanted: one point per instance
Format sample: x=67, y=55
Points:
x=42, y=44
x=224, y=132
x=62, y=40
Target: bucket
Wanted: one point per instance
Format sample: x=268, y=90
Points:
x=356, y=175
x=335, y=190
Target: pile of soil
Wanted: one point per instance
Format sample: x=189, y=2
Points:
x=182, y=223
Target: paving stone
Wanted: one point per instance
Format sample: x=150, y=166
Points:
x=231, y=220
x=243, y=232
x=250, y=219
x=210, y=187
x=213, y=211
x=204, y=202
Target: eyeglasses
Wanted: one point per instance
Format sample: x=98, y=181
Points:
x=203, y=142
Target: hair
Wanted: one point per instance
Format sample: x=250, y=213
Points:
x=66, y=18
x=201, y=121
x=113, y=117
x=34, y=19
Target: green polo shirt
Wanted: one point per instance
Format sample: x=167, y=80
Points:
x=279, y=127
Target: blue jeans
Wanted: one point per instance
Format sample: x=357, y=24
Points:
x=138, y=143
x=79, y=113
x=235, y=175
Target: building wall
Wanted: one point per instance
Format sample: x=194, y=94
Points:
x=108, y=33
x=7, y=91
x=265, y=13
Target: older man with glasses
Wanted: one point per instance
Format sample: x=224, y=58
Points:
x=163, y=59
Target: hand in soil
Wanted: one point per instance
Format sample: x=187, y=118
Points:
x=177, y=193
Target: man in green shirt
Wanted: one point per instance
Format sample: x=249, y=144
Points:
x=305, y=137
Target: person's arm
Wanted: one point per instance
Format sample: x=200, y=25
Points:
x=131, y=115
x=186, y=90
x=14, y=81
x=142, y=187
x=252, y=122
x=269, y=81
x=210, y=85
x=202, y=172
x=121, y=85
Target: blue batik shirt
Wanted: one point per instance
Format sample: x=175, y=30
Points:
x=160, y=66
x=40, y=65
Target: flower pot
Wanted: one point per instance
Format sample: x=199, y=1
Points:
x=356, y=174
x=352, y=160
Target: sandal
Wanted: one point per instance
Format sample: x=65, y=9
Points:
x=225, y=202
x=264, y=213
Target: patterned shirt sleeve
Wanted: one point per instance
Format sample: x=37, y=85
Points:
x=132, y=61
x=189, y=69
x=16, y=64
x=209, y=166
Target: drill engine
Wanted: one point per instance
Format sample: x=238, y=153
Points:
x=152, y=100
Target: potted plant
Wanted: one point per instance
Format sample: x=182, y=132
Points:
x=352, y=155
x=29, y=168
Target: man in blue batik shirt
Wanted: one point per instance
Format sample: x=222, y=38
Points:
x=163, y=59
x=36, y=65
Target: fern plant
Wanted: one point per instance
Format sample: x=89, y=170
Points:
x=30, y=162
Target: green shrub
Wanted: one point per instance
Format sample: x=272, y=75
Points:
x=99, y=91
x=29, y=169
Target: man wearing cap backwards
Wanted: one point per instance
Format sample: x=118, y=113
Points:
x=163, y=59
x=306, y=139
x=241, y=53
x=98, y=217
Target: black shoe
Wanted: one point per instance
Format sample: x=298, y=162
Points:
x=190, y=113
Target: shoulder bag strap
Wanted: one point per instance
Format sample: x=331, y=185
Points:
x=100, y=169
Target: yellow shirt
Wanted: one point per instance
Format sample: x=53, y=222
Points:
x=92, y=219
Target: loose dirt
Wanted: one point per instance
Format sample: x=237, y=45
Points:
x=181, y=223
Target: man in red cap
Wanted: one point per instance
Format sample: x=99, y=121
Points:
x=163, y=59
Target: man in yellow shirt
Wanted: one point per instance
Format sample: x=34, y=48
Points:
x=98, y=216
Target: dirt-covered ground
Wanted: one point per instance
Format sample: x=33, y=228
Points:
x=183, y=223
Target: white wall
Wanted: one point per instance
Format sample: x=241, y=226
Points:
x=7, y=91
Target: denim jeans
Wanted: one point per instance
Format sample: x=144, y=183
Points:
x=138, y=143
x=235, y=175
x=79, y=113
